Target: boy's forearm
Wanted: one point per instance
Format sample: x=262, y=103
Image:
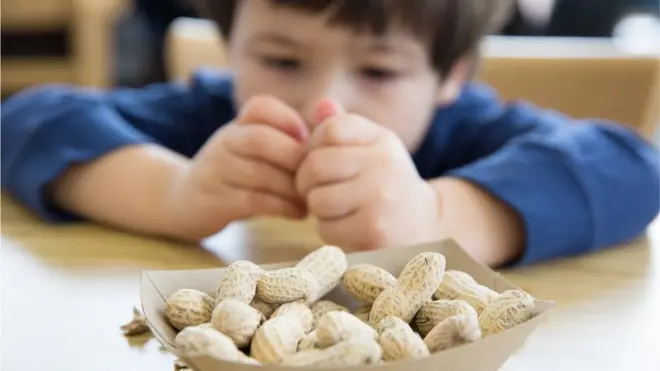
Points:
x=128, y=188
x=487, y=228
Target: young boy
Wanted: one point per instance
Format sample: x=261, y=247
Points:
x=357, y=113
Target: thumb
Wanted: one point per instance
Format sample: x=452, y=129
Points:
x=326, y=108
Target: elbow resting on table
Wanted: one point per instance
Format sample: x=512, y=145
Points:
x=629, y=197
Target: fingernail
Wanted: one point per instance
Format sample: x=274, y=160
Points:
x=325, y=109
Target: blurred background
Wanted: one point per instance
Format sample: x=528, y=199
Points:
x=545, y=48
x=599, y=50
x=122, y=42
x=586, y=58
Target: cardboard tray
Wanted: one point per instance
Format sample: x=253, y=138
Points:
x=488, y=354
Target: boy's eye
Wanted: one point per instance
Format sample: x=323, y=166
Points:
x=282, y=63
x=380, y=74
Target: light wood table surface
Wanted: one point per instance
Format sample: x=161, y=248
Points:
x=66, y=290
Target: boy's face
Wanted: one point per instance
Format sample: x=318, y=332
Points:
x=298, y=58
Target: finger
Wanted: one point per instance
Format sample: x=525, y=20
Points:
x=267, y=144
x=349, y=130
x=247, y=204
x=330, y=165
x=270, y=111
x=356, y=231
x=335, y=201
x=259, y=176
x=325, y=109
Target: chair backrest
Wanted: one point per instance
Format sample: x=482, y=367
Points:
x=191, y=44
x=583, y=78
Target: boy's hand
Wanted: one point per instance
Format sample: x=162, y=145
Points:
x=361, y=184
x=245, y=169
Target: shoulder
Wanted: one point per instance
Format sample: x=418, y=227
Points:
x=215, y=82
x=205, y=85
x=477, y=124
x=207, y=95
x=218, y=86
x=479, y=102
x=452, y=126
x=480, y=106
x=212, y=91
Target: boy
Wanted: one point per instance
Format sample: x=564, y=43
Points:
x=356, y=113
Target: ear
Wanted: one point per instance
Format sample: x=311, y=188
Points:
x=450, y=87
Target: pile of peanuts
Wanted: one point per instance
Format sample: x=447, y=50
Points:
x=281, y=317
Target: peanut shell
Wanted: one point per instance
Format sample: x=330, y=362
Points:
x=308, y=341
x=247, y=360
x=265, y=308
x=327, y=264
x=195, y=341
x=277, y=339
x=351, y=352
x=415, y=286
x=458, y=285
x=386, y=323
x=362, y=313
x=239, y=281
x=187, y=307
x=286, y=285
x=335, y=327
x=320, y=308
x=365, y=282
x=298, y=310
x=454, y=331
x=508, y=310
x=437, y=311
x=236, y=319
x=399, y=342
x=423, y=273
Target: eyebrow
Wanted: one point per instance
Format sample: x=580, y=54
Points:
x=388, y=47
x=379, y=46
x=276, y=39
x=382, y=46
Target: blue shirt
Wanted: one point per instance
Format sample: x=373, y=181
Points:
x=578, y=185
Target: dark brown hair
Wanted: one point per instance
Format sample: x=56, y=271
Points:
x=452, y=29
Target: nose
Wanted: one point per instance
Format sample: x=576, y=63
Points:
x=337, y=88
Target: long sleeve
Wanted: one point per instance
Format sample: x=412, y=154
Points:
x=578, y=185
x=49, y=128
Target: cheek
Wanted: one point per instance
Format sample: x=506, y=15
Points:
x=408, y=122
x=406, y=111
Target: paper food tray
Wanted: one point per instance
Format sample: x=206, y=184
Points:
x=487, y=354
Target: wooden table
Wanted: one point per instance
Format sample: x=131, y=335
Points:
x=66, y=290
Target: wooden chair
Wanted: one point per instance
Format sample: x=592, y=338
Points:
x=90, y=27
x=583, y=78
